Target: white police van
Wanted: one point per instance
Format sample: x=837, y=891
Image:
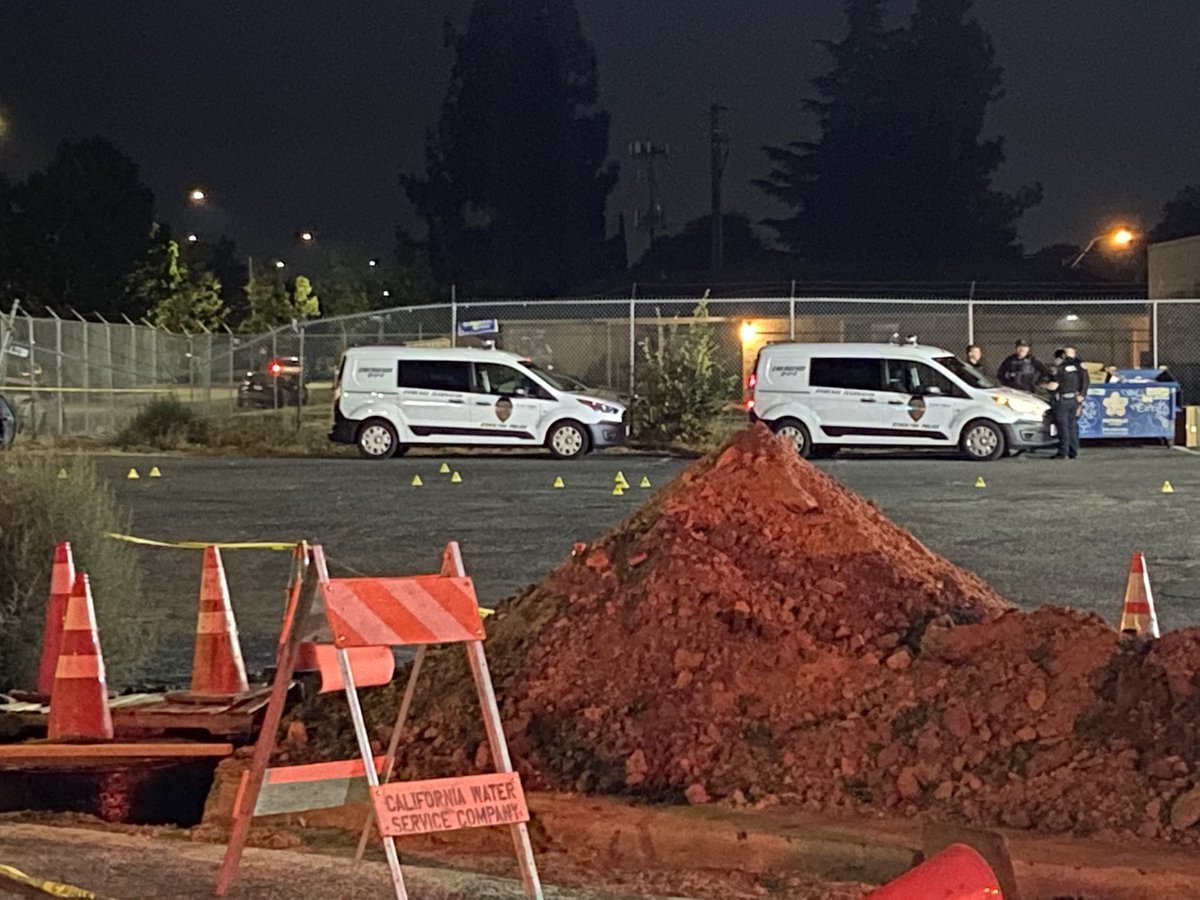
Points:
x=387, y=399
x=825, y=396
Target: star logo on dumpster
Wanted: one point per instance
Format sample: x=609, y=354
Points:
x=1115, y=405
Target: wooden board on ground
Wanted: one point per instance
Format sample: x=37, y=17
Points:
x=149, y=714
x=44, y=755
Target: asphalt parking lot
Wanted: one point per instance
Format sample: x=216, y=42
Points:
x=1041, y=531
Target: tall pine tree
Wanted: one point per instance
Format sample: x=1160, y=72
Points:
x=516, y=175
x=900, y=171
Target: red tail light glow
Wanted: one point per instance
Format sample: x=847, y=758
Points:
x=275, y=367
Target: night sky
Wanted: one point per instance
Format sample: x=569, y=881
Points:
x=300, y=115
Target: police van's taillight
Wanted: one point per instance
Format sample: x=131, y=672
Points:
x=751, y=382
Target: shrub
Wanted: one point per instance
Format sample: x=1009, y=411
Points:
x=37, y=510
x=682, y=388
x=164, y=423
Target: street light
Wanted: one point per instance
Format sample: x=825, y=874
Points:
x=279, y=263
x=1120, y=238
x=306, y=237
x=197, y=195
x=192, y=238
x=372, y=263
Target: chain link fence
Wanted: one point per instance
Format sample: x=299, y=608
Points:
x=73, y=377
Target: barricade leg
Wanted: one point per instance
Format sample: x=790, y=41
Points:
x=243, y=810
x=364, y=747
x=393, y=746
x=500, y=757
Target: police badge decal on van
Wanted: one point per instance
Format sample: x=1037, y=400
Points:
x=916, y=408
x=504, y=409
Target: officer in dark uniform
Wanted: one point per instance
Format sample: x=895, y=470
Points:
x=1068, y=386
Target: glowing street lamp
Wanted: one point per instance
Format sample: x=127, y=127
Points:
x=279, y=264
x=196, y=195
x=306, y=237
x=748, y=332
x=1120, y=238
x=192, y=238
x=372, y=263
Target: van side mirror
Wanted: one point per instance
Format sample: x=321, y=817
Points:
x=932, y=389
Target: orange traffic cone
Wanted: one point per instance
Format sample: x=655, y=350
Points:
x=1138, y=616
x=62, y=579
x=957, y=873
x=79, y=699
x=217, y=667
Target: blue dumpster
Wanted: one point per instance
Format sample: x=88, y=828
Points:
x=1135, y=403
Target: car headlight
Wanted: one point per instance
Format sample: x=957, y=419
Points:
x=1022, y=406
x=603, y=408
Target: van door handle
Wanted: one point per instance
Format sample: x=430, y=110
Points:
x=454, y=400
x=482, y=403
x=866, y=399
x=895, y=403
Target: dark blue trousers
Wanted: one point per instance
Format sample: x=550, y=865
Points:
x=1067, y=424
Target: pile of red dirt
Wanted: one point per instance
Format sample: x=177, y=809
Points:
x=759, y=634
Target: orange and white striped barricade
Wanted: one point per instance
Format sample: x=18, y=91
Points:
x=365, y=614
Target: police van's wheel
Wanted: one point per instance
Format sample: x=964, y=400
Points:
x=377, y=439
x=796, y=432
x=567, y=440
x=982, y=441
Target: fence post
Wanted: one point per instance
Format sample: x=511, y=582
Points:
x=233, y=388
x=453, y=315
x=87, y=374
x=970, y=321
x=1154, y=332
x=33, y=415
x=60, y=415
x=300, y=392
x=191, y=358
x=792, y=312
x=632, y=339
x=112, y=370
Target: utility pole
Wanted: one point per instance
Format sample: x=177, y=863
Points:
x=647, y=154
x=718, y=142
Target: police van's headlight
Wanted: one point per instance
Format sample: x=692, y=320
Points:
x=602, y=408
x=1022, y=406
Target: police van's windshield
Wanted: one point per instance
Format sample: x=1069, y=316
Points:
x=559, y=380
x=967, y=373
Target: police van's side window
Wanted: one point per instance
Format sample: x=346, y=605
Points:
x=907, y=376
x=434, y=375
x=850, y=374
x=499, y=379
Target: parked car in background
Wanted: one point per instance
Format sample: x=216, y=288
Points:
x=387, y=399
x=825, y=396
x=279, y=384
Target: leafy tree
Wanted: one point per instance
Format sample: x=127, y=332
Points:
x=345, y=290
x=515, y=178
x=180, y=298
x=682, y=385
x=221, y=257
x=272, y=304
x=72, y=233
x=690, y=250
x=900, y=170
x=1180, y=216
x=413, y=280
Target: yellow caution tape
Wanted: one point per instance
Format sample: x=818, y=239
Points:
x=53, y=888
x=201, y=545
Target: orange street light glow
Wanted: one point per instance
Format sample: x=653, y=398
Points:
x=1122, y=237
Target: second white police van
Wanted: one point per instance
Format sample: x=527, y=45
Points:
x=825, y=396
x=387, y=399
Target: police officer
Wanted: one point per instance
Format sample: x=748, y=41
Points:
x=1068, y=387
x=975, y=355
x=1021, y=370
